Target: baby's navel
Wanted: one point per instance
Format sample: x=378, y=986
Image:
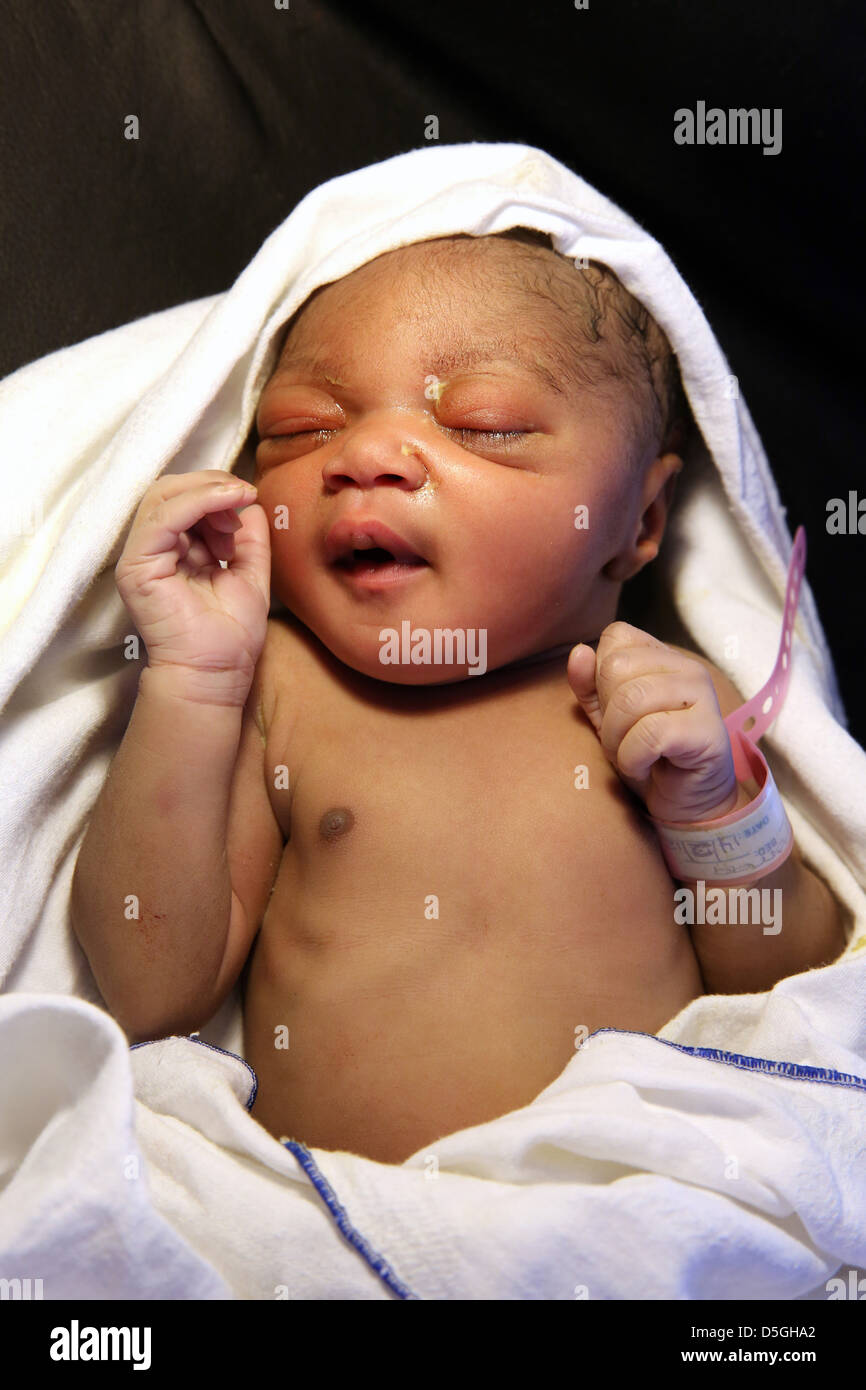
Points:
x=336, y=822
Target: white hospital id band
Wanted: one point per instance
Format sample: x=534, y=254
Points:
x=738, y=848
x=749, y=843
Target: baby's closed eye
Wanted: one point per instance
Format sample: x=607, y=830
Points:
x=505, y=438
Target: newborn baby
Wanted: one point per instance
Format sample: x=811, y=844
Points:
x=415, y=803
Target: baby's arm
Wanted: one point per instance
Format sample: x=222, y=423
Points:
x=659, y=714
x=154, y=901
x=183, y=823
x=743, y=958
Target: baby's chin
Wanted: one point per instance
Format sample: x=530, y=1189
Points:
x=392, y=662
x=407, y=654
x=419, y=675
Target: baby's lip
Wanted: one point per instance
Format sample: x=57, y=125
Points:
x=366, y=533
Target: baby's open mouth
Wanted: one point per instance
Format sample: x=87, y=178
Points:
x=376, y=559
x=369, y=554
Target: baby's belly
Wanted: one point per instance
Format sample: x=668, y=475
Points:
x=376, y=1026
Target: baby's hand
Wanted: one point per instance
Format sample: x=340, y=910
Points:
x=658, y=720
x=204, y=623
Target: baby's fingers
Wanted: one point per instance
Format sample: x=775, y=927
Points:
x=580, y=671
x=684, y=737
x=227, y=521
x=157, y=531
x=252, y=550
x=217, y=532
x=635, y=699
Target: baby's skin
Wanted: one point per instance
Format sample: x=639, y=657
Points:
x=440, y=879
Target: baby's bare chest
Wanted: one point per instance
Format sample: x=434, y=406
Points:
x=501, y=802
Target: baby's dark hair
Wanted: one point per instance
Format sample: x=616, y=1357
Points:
x=595, y=308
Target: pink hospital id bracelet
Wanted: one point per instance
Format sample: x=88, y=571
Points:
x=751, y=842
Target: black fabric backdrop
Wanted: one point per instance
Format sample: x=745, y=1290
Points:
x=244, y=107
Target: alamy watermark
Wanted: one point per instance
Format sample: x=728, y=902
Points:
x=22, y=518
x=736, y=126
x=76, y=1343
x=443, y=646
x=20, y=1289
x=729, y=907
x=847, y=519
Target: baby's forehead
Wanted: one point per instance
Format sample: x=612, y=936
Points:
x=477, y=298
x=455, y=272
x=486, y=272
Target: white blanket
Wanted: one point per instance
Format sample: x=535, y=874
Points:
x=723, y=1158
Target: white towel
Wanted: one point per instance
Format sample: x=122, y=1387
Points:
x=640, y=1125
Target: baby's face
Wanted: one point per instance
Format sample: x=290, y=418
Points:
x=409, y=396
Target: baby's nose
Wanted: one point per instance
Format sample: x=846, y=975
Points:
x=380, y=450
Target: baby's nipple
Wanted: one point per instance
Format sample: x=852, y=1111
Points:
x=336, y=822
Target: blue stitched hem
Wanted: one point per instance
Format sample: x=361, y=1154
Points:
x=191, y=1037
x=376, y=1262
x=794, y=1070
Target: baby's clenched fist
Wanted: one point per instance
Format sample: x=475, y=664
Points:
x=658, y=720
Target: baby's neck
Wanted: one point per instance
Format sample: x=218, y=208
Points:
x=551, y=654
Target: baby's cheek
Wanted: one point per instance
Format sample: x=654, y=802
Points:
x=284, y=561
x=274, y=502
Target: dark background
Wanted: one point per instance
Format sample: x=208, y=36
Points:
x=244, y=108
